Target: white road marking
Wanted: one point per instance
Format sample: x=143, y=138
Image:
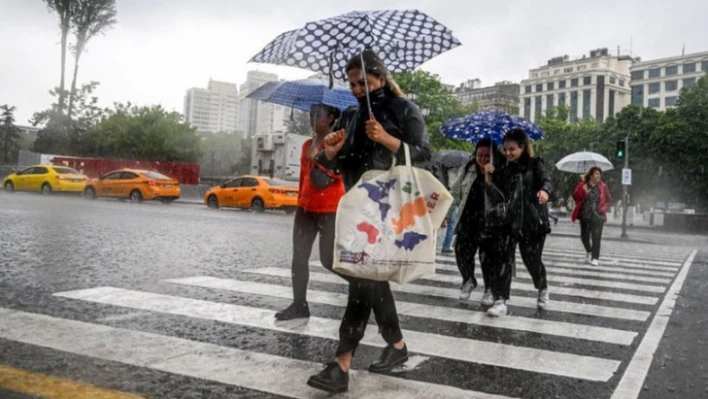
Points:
x=540, y=326
x=631, y=383
x=524, y=302
x=555, y=259
x=258, y=371
x=462, y=349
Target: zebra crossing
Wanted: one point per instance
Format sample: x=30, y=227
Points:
x=598, y=336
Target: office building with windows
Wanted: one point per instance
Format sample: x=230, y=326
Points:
x=214, y=109
x=592, y=87
x=657, y=83
x=503, y=96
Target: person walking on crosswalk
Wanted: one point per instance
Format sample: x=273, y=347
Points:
x=592, y=202
x=318, y=197
x=470, y=196
x=527, y=188
x=367, y=141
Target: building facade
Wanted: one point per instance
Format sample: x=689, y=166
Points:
x=503, y=96
x=214, y=109
x=592, y=87
x=657, y=83
x=257, y=117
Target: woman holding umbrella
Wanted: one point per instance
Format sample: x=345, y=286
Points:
x=592, y=202
x=369, y=135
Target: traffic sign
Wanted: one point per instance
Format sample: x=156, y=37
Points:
x=626, y=177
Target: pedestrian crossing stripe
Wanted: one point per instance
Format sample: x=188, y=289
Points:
x=562, y=260
x=615, y=257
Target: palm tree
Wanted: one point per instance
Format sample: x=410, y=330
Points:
x=63, y=8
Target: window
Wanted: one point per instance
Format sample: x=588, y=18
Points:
x=561, y=84
x=613, y=80
x=128, y=176
x=574, y=106
x=611, y=108
x=574, y=82
x=40, y=170
x=527, y=108
x=621, y=82
x=539, y=87
x=654, y=87
x=568, y=70
x=550, y=85
x=671, y=70
x=671, y=85
x=545, y=73
x=549, y=101
x=595, y=65
x=704, y=65
x=249, y=182
x=539, y=106
x=113, y=176
x=654, y=102
x=587, y=80
x=689, y=67
x=561, y=99
x=557, y=71
x=655, y=73
x=155, y=175
x=688, y=82
x=535, y=75
x=582, y=67
x=637, y=75
x=527, y=89
x=670, y=101
x=586, y=104
x=233, y=183
x=66, y=171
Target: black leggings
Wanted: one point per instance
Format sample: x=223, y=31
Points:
x=591, y=231
x=307, y=226
x=500, y=254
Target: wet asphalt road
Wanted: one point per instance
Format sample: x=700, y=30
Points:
x=51, y=245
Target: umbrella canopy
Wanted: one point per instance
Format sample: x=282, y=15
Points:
x=301, y=94
x=403, y=39
x=450, y=158
x=581, y=162
x=492, y=124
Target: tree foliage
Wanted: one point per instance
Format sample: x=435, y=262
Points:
x=225, y=154
x=10, y=135
x=299, y=123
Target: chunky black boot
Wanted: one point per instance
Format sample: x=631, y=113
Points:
x=390, y=358
x=296, y=310
x=332, y=379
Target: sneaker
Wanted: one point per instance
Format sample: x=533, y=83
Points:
x=466, y=289
x=389, y=359
x=294, y=311
x=595, y=262
x=499, y=308
x=332, y=379
x=446, y=252
x=588, y=257
x=488, y=298
x=543, y=298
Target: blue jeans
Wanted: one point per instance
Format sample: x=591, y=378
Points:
x=447, y=244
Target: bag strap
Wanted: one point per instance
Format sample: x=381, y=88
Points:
x=407, y=151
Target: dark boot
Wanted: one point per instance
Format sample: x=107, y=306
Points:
x=332, y=379
x=390, y=358
x=296, y=310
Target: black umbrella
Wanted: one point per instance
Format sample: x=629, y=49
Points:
x=448, y=159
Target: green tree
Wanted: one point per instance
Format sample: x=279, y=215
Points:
x=299, y=123
x=142, y=133
x=243, y=161
x=9, y=133
x=222, y=154
x=63, y=9
x=89, y=18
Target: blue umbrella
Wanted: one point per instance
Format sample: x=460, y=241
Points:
x=301, y=94
x=492, y=124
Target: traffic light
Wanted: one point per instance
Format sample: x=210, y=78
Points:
x=620, y=149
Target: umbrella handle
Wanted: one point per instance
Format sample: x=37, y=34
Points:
x=366, y=83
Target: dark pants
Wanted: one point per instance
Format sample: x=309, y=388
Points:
x=591, y=236
x=466, y=246
x=496, y=254
x=531, y=248
x=307, y=226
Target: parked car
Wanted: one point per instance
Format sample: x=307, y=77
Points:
x=134, y=184
x=255, y=193
x=45, y=179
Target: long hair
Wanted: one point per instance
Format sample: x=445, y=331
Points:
x=497, y=156
x=592, y=172
x=374, y=66
x=522, y=139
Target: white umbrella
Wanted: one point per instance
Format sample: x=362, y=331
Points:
x=581, y=162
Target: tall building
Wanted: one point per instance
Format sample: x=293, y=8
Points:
x=594, y=86
x=657, y=83
x=503, y=96
x=256, y=116
x=214, y=109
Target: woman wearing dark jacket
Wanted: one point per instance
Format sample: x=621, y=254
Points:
x=365, y=142
x=527, y=188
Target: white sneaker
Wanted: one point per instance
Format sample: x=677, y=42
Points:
x=466, y=290
x=588, y=257
x=499, y=309
x=595, y=262
x=488, y=298
x=543, y=299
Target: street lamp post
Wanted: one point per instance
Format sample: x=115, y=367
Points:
x=625, y=187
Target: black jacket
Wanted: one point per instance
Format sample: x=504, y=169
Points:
x=399, y=117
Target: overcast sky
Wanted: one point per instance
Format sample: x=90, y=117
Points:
x=160, y=48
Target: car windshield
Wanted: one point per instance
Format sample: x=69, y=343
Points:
x=155, y=175
x=278, y=182
x=66, y=171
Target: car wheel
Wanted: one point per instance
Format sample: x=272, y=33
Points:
x=9, y=187
x=257, y=205
x=46, y=189
x=213, y=202
x=136, y=196
x=90, y=193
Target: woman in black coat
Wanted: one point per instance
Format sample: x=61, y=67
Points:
x=364, y=142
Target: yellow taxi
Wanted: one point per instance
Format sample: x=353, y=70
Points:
x=134, y=184
x=46, y=179
x=254, y=192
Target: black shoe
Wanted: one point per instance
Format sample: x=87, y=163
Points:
x=332, y=379
x=296, y=310
x=446, y=252
x=390, y=358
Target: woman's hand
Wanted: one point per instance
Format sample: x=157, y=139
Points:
x=375, y=131
x=333, y=143
x=542, y=197
x=488, y=171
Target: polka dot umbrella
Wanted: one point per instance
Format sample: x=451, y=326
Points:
x=403, y=39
